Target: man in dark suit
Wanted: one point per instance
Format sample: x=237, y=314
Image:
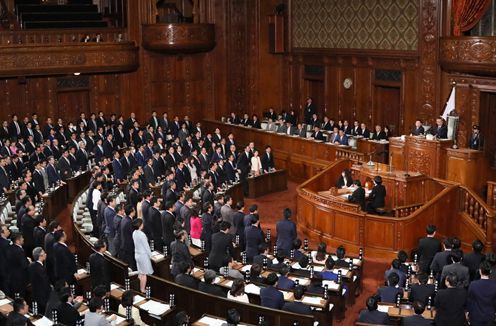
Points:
x=417, y=319
x=82, y=156
x=64, y=165
x=476, y=141
x=317, y=134
x=286, y=232
x=52, y=172
x=168, y=221
x=133, y=194
x=270, y=297
x=17, y=266
x=422, y=291
x=310, y=110
x=4, y=247
x=377, y=196
x=117, y=167
x=28, y=223
x=108, y=146
x=388, y=293
x=244, y=163
x=184, y=278
x=440, y=131
x=222, y=247
x=253, y=238
x=155, y=222
x=145, y=206
x=473, y=259
x=395, y=268
x=99, y=269
x=427, y=248
x=441, y=258
x=126, y=250
x=450, y=303
x=358, y=196
x=373, y=316
x=297, y=306
x=65, y=264
x=40, y=232
x=180, y=253
x=207, y=285
x=207, y=225
x=108, y=218
x=418, y=129
x=462, y=273
x=149, y=173
x=40, y=283
x=230, y=168
x=66, y=311
x=267, y=160
x=481, y=298
x=18, y=315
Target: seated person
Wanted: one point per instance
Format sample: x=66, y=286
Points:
x=302, y=271
x=270, y=297
x=377, y=197
x=255, y=274
x=418, y=129
x=440, y=131
x=341, y=262
x=379, y=134
x=297, y=253
x=232, y=318
x=297, y=306
x=300, y=131
x=317, y=134
x=389, y=293
x=207, y=285
x=184, y=278
x=66, y=311
x=263, y=250
x=127, y=300
x=315, y=286
x=231, y=271
x=402, y=257
x=358, y=196
x=327, y=273
x=327, y=125
x=422, y=291
x=334, y=137
x=417, y=319
x=284, y=282
x=95, y=315
x=321, y=254
x=373, y=316
x=280, y=261
x=342, y=138
x=18, y=315
x=395, y=268
x=363, y=131
x=345, y=180
x=237, y=292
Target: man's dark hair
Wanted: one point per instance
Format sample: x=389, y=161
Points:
x=452, y=279
x=418, y=307
x=99, y=244
x=95, y=304
x=456, y=255
x=272, y=279
x=393, y=279
x=485, y=268
x=233, y=317
x=298, y=292
x=58, y=235
x=329, y=263
x=371, y=303
x=209, y=276
x=396, y=263
x=53, y=225
x=303, y=261
x=430, y=229
x=287, y=213
x=340, y=252
x=127, y=298
x=478, y=246
x=284, y=270
x=240, y=204
x=262, y=247
x=448, y=243
x=297, y=244
x=456, y=243
x=402, y=256
x=19, y=304
x=181, y=318
x=224, y=225
x=100, y=291
x=253, y=208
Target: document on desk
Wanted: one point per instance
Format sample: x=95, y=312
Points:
x=3, y=302
x=331, y=284
x=383, y=308
x=211, y=321
x=43, y=321
x=138, y=299
x=245, y=268
x=312, y=300
x=155, y=308
x=252, y=289
x=114, y=286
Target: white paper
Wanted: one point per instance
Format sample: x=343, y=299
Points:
x=3, y=302
x=318, y=268
x=196, y=242
x=245, y=268
x=119, y=320
x=155, y=308
x=43, y=321
x=331, y=284
x=228, y=284
x=311, y=300
x=211, y=321
x=383, y=308
x=287, y=295
x=195, y=269
x=343, y=271
x=137, y=299
x=252, y=289
x=81, y=271
x=114, y=286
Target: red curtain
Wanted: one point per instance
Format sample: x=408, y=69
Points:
x=467, y=13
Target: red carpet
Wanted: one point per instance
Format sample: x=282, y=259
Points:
x=270, y=210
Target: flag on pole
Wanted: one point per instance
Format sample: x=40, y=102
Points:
x=450, y=104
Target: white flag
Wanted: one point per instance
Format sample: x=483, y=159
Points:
x=450, y=105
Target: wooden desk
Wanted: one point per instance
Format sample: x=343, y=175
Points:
x=466, y=166
x=207, y=320
x=74, y=184
x=417, y=154
x=267, y=183
x=56, y=202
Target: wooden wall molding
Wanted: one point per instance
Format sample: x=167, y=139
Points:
x=54, y=59
x=468, y=54
x=179, y=38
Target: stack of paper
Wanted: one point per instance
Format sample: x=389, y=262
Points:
x=81, y=271
x=43, y=321
x=245, y=268
x=155, y=308
x=114, y=286
x=252, y=289
x=343, y=271
x=211, y=321
x=318, y=268
x=331, y=285
x=383, y=308
x=228, y=284
x=119, y=320
x=4, y=302
x=137, y=299
x=311, y=300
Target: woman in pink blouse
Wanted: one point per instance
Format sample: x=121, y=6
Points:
x=196, y=224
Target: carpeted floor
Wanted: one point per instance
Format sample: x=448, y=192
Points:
x=270, y=210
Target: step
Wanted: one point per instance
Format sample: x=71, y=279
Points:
x=59, y=16
x=57, y=8
x=64, y=24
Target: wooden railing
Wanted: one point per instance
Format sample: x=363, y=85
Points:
x=491, y=194
x=45, y=36
x=478, y=212
x=404, y=211
x=350, y=155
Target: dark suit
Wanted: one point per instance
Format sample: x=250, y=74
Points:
x=450, y=307
x=461, y=271
x=65, y=265
x=126, y=250
x=286, y=234
x=267, y=161
x=358, y=197
x=422, y=292
x=18, y=270
x=180, y=254
x=427, y=249
x=341, y=182
x=155, y=226
x=481, y=302
x=378, y=197
x=297, y=308
x=472, y=261
x=416, y=320
x=206, y=235
x=67, y=314
x=253, y=238
x=270, y=297
x=39, y=234
x=374, y=317
x=40, y=284
x=15, y=319
x=211, y=289
x=476, y=142
x=439, y=261
x=440, y=132
x=318, y=135
x=418, y=131
x=243, y=164
x=186, y=280
x=53, y=175
x=388, y=293
x=99, y=271
x=65, y=169
x=221, y=252
x=167, y=221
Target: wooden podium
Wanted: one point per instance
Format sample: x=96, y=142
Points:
x=418, y=154
x=466, y=166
